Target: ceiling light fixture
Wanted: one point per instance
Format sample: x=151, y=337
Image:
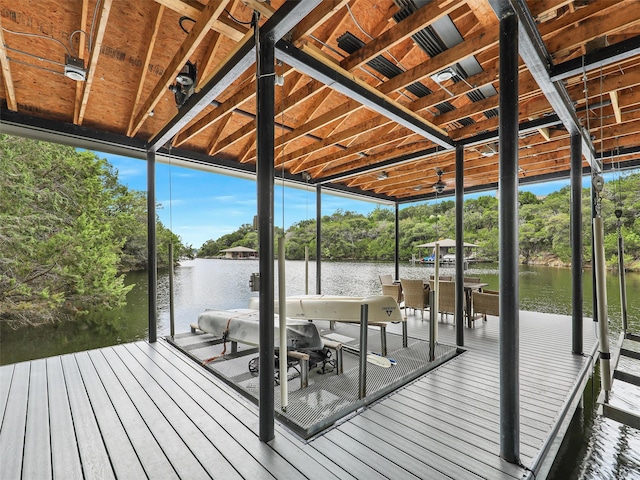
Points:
x=382, y=175
x=446, y=74
x=74, y=69
x=488, y=150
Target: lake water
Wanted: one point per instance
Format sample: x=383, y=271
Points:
x=598, y=448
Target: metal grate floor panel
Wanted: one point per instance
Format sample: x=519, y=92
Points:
x=329, y=396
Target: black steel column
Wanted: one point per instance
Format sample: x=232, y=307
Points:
x=509, y=251
x=459, y=246
x=152, y=251
x=594, y=292
x=576, y=242
x=266, y=145
x=318, y=238
x=397, y=240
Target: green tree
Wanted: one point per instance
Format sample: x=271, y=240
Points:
x=58, y=226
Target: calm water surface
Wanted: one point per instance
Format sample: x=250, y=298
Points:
x=598, y=448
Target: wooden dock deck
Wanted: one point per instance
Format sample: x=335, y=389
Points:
x=146, y=410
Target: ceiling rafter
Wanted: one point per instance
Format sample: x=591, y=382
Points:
x=145, y=66
x=195, y=36
x=193, y=9
x=102, y=20
x=318, y=67
x=81, y=48
x=12, y=104
x=421, y=18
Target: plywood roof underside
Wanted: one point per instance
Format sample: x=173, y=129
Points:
x=400, y=53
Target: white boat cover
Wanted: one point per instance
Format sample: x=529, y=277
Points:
x=382, y=308
x=242, y=325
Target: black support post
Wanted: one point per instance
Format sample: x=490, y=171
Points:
x=397, y=245
x=459, y=246
x=318, y=238
x=576, y=243
x=594, y=290
x=152, y=255
x=265, y=170
x=509, y=251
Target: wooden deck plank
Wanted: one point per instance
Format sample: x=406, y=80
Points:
x=460, y=406
x=237, y=409
x=415, y=458
x=14, y=422
x=93, y=454
x=247, y=446
x=6, y=373
x=126, y=463
x=172, y=444
x=152, y=457
x=457, y=414
x=436, y=448
x=377, y=453
x=193, y=423
x=37, y=447
x=346, y=459
x=156, y=413
x=64, y=445
x=481, y=392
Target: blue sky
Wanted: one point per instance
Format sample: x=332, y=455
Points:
x=200, y=206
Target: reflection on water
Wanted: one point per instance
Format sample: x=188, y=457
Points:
x=597, y=448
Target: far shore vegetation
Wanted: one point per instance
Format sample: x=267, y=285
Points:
x=70, y=230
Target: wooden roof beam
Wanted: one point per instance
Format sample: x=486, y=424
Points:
x=354, y=149
x=415, y=22
x=12, y=104
x=101, y=22
x=82, y=41
x=197, y=33
x=594, y=27
x=223, y=25
x=451, y=56
x=145, y=67
x=237, y=62
x=616, y=106
x=597, y=59
x=316, y=66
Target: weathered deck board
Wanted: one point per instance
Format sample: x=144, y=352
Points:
x=146, y=410
x=37, y=448
x=14, y=421
x=64, y=446
x=95, y=461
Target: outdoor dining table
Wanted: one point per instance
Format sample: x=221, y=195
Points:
x=469, y=287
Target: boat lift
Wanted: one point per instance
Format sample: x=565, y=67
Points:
x=621, y=378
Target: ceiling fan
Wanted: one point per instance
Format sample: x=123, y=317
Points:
x=439, y=186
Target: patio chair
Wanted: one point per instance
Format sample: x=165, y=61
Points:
x=386, y=279
x=442, y=278
x=472, y=279
x=486, y=303
x=416, y=296
x=393, y=290
x=446, y=298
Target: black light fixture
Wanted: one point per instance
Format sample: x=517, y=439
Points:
x=185, y=83
x=439, y=186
